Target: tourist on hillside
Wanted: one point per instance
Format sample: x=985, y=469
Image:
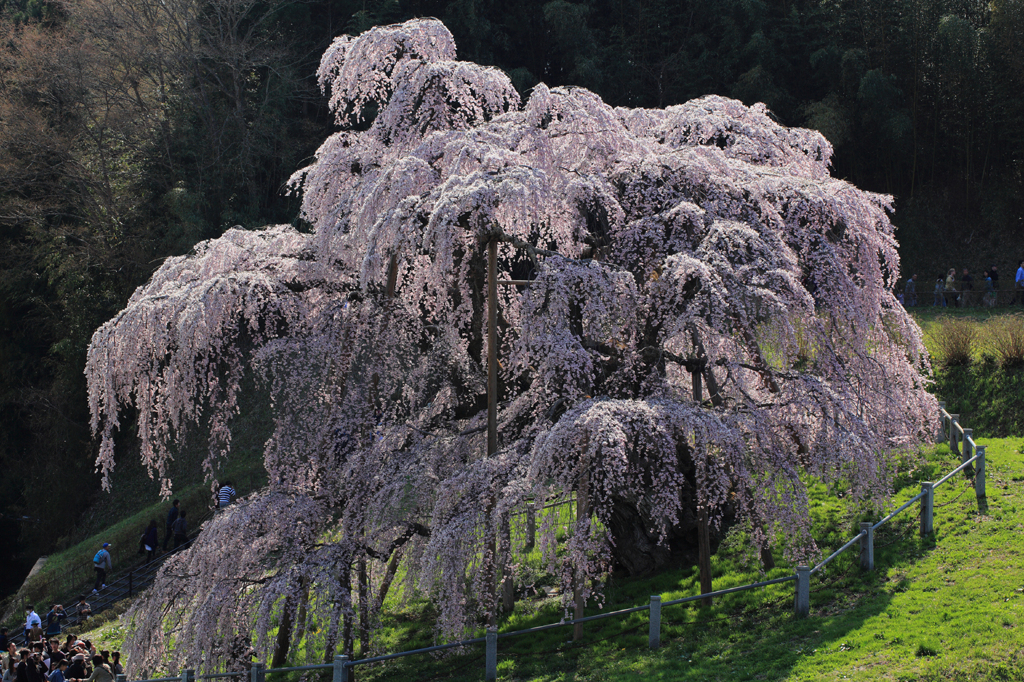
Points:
x=31, y=620
x=101, y=563
x=966, y=289
x=84, y=611
x=910, y=292
x=53, y=620
x=1018, y=282
x=172, y=516
x=150, y=541
x=180, y=529
x=225, y=495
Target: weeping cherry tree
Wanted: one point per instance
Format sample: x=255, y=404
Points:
x=700, y=316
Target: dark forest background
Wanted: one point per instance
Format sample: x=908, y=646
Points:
x=132, y=129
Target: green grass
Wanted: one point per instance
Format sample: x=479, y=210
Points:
x=946, y=607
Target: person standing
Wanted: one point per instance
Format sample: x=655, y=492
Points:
x=150, y=541
x=910, y=292
x=950, y=290
x=180, y=530
x=225, y=495
x=101, y=563
x=172, y=516
x=32, y=620
x=939, y=301
x=1019, y=282
x=966, y=289
x=53, y=620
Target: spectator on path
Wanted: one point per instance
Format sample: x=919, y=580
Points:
x=910, y=292
x=26, y=670
x=101, y=563
x=101, y=672
x=57, y=675
x=994, y=274
x=76, y=669
x=1018, y=282
x=84, y=611
x=950, y=289
x=150, y=541
x=989, y=299
x=180, y=530
x=115, y=666
x=225, y=495
x=172, y=516
x=31, y=620
x=966, y=289
x=4, y=639
x=53, y=620
x=940, y=300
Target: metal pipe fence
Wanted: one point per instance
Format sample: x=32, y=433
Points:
x=959, y=439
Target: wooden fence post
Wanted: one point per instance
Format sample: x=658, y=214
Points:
x=927, y=506
x=964, y=454
x=258, y=673
x=654, y=633
x=954, y=439
x=942, y=421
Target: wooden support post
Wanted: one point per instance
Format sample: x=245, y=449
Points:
x=965, y=451
x=492, y=423
x=704, y=554
x=582, y=514
x=531, y=525
x=258, y=673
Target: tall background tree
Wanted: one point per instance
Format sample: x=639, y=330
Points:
x=131, y=130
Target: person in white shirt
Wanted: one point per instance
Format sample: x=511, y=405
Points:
x=32, y=619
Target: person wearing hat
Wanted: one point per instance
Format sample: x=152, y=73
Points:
x=101, y=563
x=100, y=672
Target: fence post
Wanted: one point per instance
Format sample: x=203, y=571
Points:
x=954, y=440
x=942, y=420
x=654, y=635
x=802, y=603
x=340, y=668
x=120, y=678
x=491, y=656
x=964, y=456
x=867, y=546
x=188, y=675
x=927, y=506
x=979, y=473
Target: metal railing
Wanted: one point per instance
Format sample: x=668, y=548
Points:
x=960, y=441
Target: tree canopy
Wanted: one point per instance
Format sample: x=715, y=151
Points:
x=648, y=247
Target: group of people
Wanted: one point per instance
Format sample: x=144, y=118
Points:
x=46, y=659
x=951, y=291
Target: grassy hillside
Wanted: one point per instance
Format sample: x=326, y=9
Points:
x=947, y=607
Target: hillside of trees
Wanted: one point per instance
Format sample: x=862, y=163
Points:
x=132, y=129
